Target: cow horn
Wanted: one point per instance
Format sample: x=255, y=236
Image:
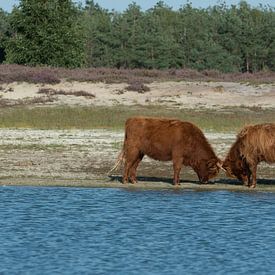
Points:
x=219, y=164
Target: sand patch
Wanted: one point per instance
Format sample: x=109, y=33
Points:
x=180, y=94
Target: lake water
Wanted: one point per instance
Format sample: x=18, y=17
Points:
x=117, y=231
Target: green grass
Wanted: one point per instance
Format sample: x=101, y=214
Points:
x=114, y=117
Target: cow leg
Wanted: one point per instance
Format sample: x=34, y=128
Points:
x=248, y=173
x=133, y=169
x=129, y=163
x=126, y=171
x=254, y=176
x=248, y=178
x=177, y=164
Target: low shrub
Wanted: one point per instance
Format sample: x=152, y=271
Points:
x=137, y=87
x=50, y=91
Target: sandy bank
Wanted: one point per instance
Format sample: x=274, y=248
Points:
x=107, y=183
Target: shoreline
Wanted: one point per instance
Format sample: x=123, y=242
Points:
x=218, y=185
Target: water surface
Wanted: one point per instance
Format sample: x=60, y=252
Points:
x=114, y=231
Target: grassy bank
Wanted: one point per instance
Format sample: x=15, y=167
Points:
x=114, y=117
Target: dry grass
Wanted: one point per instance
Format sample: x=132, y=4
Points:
x=19, y=73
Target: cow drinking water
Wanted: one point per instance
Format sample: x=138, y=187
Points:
x=164, y=140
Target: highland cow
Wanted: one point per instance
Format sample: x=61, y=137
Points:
x=165, y=140
x=253, y=145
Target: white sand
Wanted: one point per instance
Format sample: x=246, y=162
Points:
x=171, y=94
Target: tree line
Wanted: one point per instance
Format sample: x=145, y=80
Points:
x=236, y=38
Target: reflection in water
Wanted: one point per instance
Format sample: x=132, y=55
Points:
x=73, y=230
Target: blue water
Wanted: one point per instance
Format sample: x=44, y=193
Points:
x=114, y=231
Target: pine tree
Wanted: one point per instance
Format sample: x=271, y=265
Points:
x=127, y=35
x=4, y=32
x=98, y=35
x=46, y=33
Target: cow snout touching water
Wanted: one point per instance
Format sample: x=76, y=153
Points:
x=163, y=139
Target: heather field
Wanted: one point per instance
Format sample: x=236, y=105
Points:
x=49, y=75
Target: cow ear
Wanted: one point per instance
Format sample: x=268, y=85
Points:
x=243, y=132
x=210, y=164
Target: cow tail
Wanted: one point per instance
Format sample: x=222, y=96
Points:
x=120, y=158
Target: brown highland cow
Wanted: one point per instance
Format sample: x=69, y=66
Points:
x=253, y=145
x=164, y=140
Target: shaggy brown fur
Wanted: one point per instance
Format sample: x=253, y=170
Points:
x=253, y=145
x=165, y=140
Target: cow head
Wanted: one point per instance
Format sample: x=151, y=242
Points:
x=207, y=170
x=235, y=163
x=237, y=168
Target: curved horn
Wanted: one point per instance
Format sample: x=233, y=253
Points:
x=219, y=164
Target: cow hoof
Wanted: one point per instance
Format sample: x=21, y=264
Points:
x=252, y=186
x=246, y=184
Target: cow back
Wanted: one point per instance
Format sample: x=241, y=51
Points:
x=258, y=142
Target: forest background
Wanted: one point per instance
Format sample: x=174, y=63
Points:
x=236, y=38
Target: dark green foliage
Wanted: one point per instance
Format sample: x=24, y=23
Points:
x=162, y=48
x=46, y=32
x=127, y=37
x=4, y=31
x=98, y=35
x=239, y=38
x=227, y=39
